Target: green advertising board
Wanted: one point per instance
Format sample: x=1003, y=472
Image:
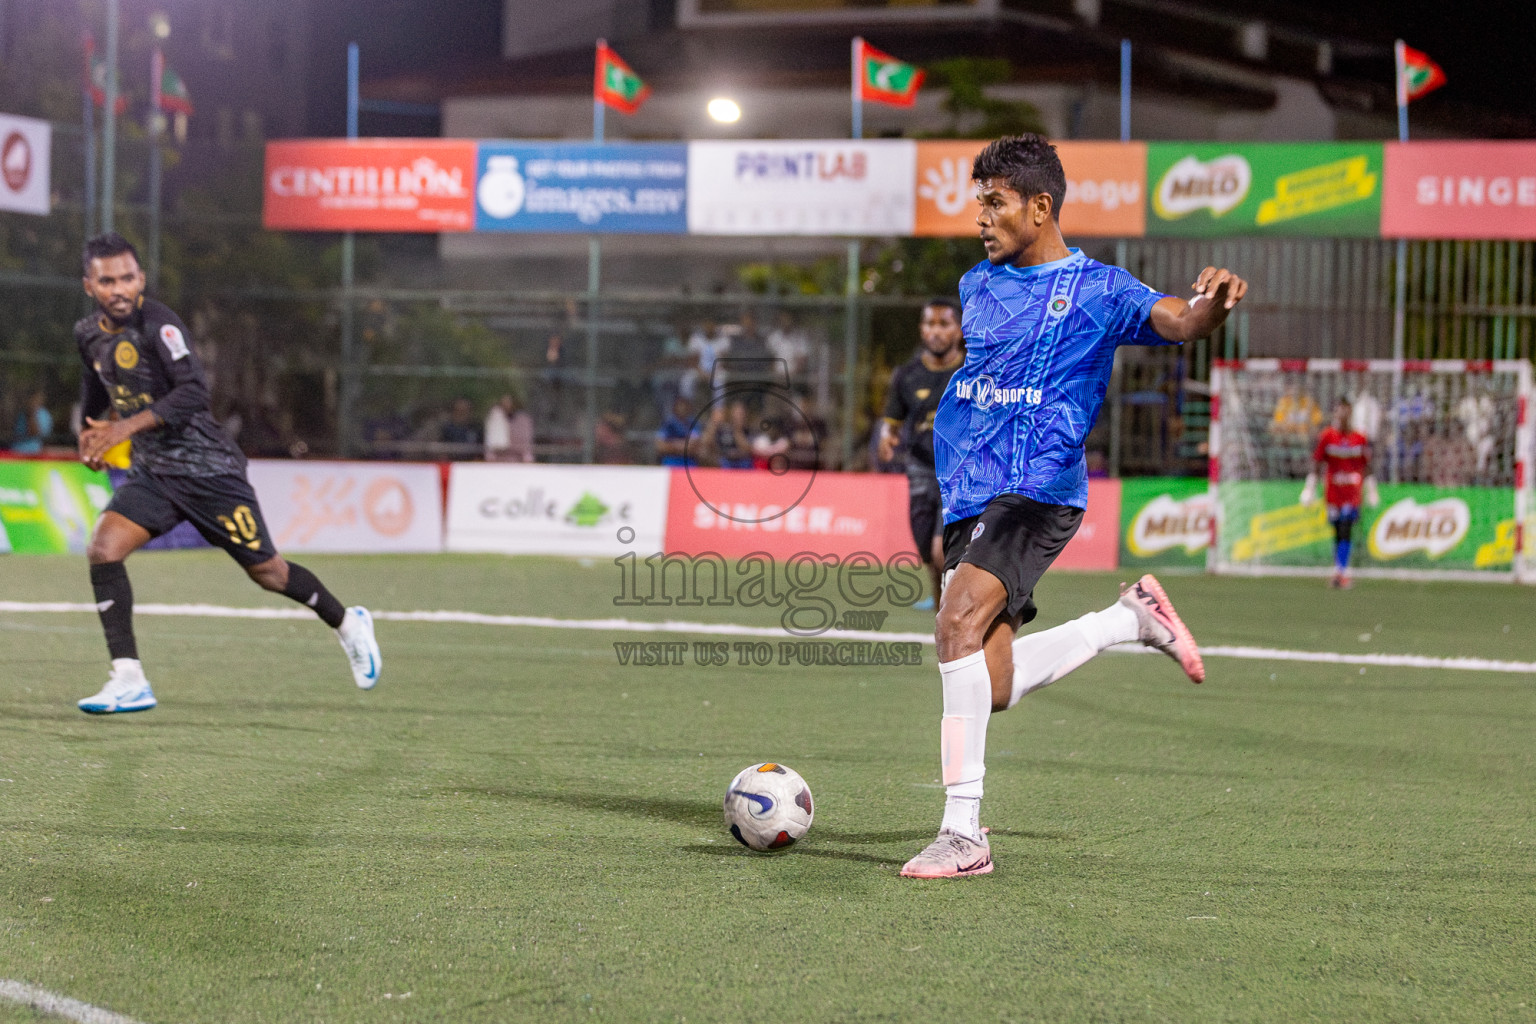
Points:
x=1165, y=522
x=1211, y=189
x=1417, y=526
x=49, y=507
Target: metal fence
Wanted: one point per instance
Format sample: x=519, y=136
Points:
x=598, y=372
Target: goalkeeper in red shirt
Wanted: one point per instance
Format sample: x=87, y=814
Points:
x=1343, y=459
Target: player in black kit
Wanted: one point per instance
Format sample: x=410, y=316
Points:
x=140, y=365
x=911, y=400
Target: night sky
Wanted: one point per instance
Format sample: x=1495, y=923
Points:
x=1483, y=46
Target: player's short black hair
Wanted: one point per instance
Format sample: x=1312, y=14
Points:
x=952, y=305
x=1028, y=163
x=105, y=246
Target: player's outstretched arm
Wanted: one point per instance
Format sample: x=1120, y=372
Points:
x=1217, y=290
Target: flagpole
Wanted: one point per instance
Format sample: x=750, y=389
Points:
x=347, y=400
x=1125, y=90
x=594, y=284
x=88, y=123
x=109, y=125
x=1400, y=282
x=858, y=91
x=851, y=282
x=156, y=127
x=597, y=99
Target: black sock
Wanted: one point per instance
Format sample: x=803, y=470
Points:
x=114, y=603
x=304, y=588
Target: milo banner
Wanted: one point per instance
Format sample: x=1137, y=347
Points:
x=1212, y=189
x=1165, y=522
x=49, y=507
x=1417, y=526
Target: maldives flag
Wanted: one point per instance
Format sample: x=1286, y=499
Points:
x=1416, y=74
x=96, y=79
x=882, y=78
x=616, y=83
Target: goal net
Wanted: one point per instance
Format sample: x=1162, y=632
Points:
x=1451, y=447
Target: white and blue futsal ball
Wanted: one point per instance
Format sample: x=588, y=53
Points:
x=768, y=807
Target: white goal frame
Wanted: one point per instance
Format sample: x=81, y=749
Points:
x=1523, y=567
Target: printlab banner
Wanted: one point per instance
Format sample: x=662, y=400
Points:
x=635, y=189
x=24, y=149
x=1417, y=526
x=49, y=507
x=814, y=187
x=1222, y=189
x=1460, y=190
x=524, y=509
x=350, y=507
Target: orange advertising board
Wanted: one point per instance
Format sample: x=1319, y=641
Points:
x=1106, y=189
x=370, y=185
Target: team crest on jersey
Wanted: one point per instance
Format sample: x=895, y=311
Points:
x=125, y=355
x=979, y=530
x=174, y=340
x=1059, y=305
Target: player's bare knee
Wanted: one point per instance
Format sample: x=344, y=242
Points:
x=960, y=628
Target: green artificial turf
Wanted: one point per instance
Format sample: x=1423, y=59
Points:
x=515, y=827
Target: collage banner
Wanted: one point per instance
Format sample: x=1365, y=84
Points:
x=899, y=187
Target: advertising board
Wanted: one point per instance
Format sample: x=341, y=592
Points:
x=369, y=185
x=350, y=507
x=562, y=187
x=530, y=509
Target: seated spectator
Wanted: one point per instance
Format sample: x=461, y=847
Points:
x=34, y=424
x=508, y=432
x=791, y=344
x=676, y=431
x=461, y=428
x=725, y=442
x=770, y=447
x=612, y=446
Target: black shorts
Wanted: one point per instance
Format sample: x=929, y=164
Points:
x=924, y=504
x=222, y=508
x=1015, y=539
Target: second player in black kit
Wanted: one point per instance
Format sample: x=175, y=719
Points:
x=911, y=401
x=140, y=369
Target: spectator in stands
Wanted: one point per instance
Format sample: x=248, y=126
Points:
x=461, y=430
x=707, y=344
x=770, y=446
x=805, y=434
x=508, y=432
x=612, y=446
x=789, y=342
x=676, y=431
x=34, y=424
x=725, y=441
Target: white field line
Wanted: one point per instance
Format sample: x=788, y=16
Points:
x=770, y=632
x=55, y=1005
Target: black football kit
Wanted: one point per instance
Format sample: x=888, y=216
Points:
x=910, y=405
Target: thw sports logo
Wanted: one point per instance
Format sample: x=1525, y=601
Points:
x=983, y=391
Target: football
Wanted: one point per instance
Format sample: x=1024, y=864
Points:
x=768, y=807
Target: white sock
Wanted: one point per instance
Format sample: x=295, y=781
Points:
x=127, y=668
x=1040, y=659
x=963, y=730
x=348, y=624
x=962, y=814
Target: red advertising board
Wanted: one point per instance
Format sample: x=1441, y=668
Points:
x=734, y=512
x=1096, y=547
x=1459, y=190
x=370, y=185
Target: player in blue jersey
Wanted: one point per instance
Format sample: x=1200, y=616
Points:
x=1041, y=324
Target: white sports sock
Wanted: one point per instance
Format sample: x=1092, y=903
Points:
x=348, y=627
x=127, y=668
x=963, y=730
x=1040, y=659
x=962, y=814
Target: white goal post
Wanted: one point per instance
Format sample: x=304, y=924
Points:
x=1452, y=443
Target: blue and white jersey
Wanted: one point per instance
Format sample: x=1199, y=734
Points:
x=1039, y=348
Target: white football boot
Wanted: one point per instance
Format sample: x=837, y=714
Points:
x=356, y=636
x=126, y=690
